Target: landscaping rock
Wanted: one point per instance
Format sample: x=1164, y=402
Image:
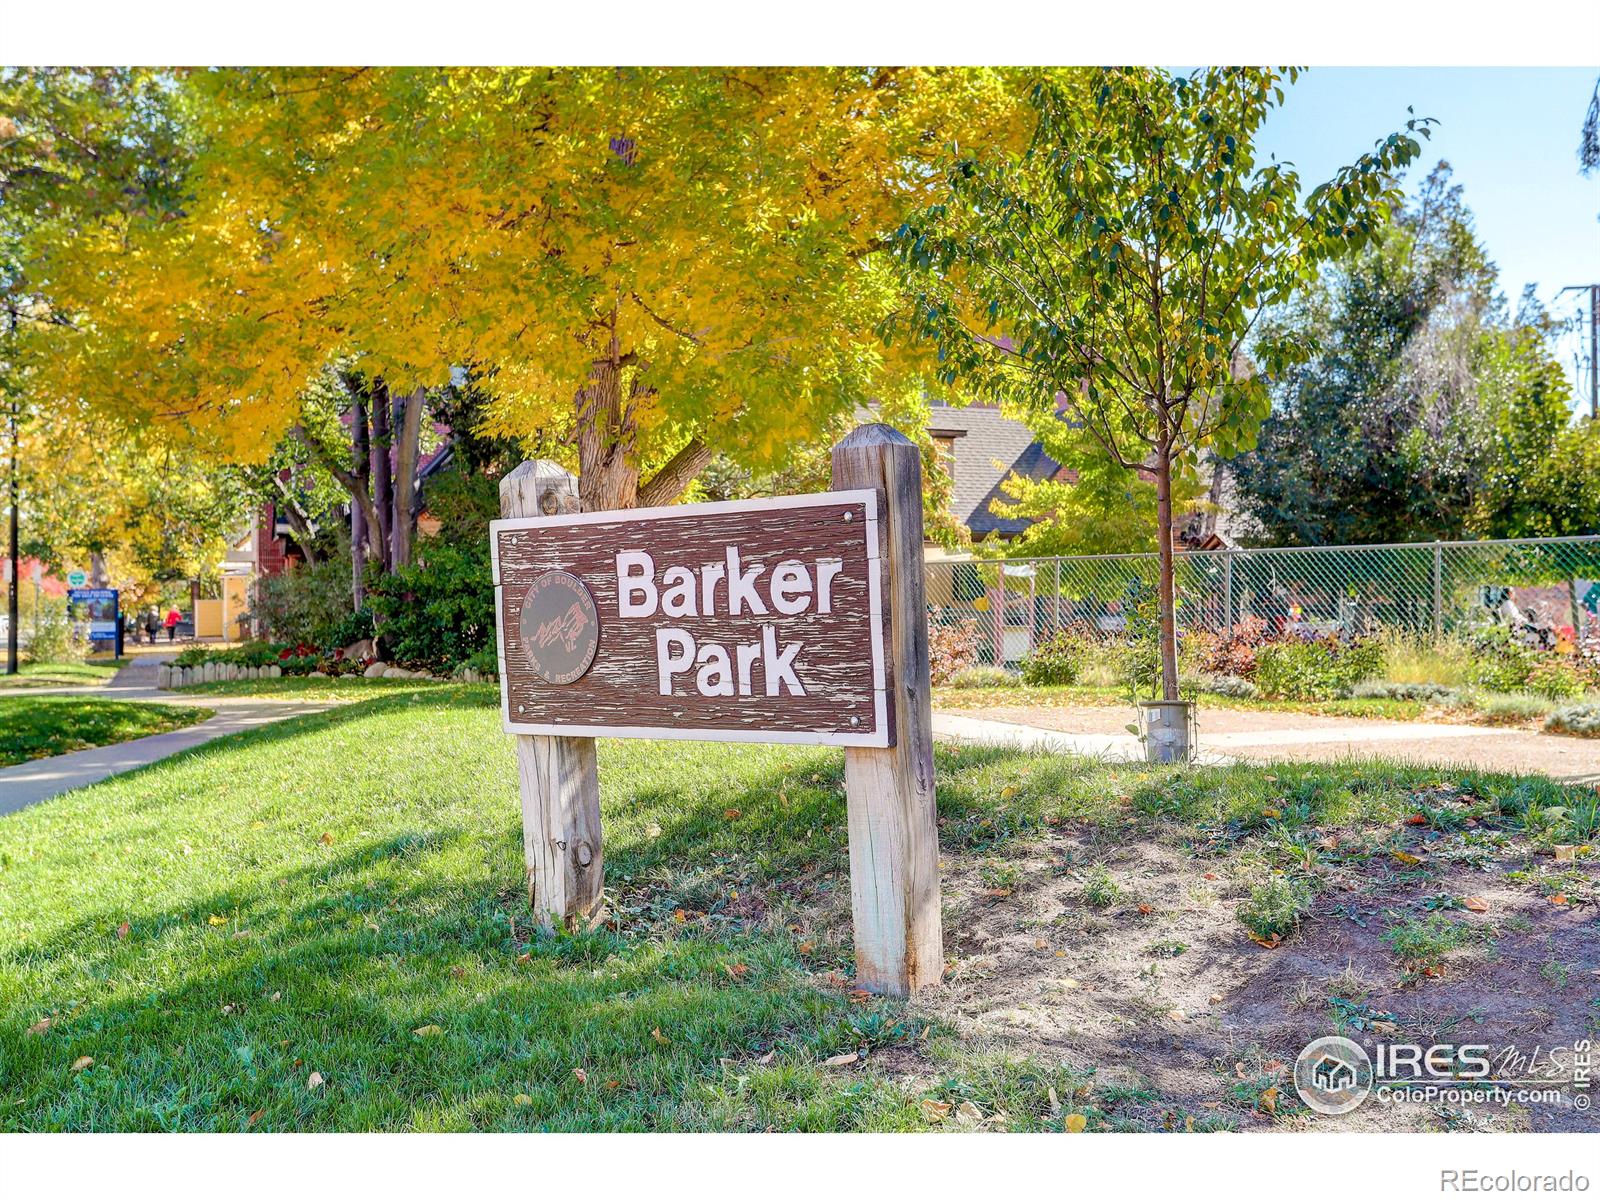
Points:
x=163, y=676
x=274, y=671
x=375, y=671
x=317, y=675
x=398, y=673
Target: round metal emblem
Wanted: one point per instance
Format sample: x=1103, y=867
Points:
x=560, y=627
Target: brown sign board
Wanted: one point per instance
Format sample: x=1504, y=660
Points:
x=755, y=620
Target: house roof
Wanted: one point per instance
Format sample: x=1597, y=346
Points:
x=988, y=447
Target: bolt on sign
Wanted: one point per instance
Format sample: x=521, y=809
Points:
x=756, y=620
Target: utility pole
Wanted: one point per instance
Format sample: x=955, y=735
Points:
x=12, y=609
x=1594, y=343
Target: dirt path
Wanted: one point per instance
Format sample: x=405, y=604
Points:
x=1302, y=737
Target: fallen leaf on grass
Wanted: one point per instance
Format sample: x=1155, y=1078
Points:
x=1074, y=1123
x=522, y=1098
x=1559, y=898
x=1475, y=904
x=1216, y=998
x=1416, y=819
x=766, y=1059
x=968, y=1113
x=83, y=1064
x=842, y=1060
x=1178, y=1014
x=806, y=947
x=613, y=1084
x=1055, y=1101
x=41, y=1026
x=1566, y=853
x=1145, y=910
x=255, y=1116
x=1269, y=1100
x=213, y=919
x=1271, y=943
x=1271, y=812
x=326, y=839
x=736, y=970
x=1040, y=944
x=1273, y=1064
x=314, y=1081
x=122, y=931
x=580, y=1074
x=1007, y=792
x=427, y=1031
x=935, y=1110
x=1401, y=856
x=660, y=1037
x=731, y=814
x=999, y=892
x=1210, y=875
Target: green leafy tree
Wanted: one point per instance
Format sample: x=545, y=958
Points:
x=1424, y=412
x=1114, y=269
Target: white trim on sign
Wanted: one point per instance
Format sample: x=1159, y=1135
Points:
x=674, y=733
x=867, y=497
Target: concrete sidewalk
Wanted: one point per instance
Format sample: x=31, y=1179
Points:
x=30, y=782
x=1239, y=735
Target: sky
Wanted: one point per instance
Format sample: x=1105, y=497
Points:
x=1511, y=135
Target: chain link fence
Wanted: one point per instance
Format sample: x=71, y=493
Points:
x=1429, y=589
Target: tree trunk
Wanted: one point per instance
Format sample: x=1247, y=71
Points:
x=667, y=484
x=607, y=475
x=361, y=456
x=382, y=475
x=1166, y=595
x=408, y=431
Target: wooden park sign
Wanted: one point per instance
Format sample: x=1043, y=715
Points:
x=790, y=619
x=755, y=621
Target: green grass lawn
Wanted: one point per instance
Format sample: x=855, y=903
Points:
x=41, y=726
x=321, y=925
x=60, y=674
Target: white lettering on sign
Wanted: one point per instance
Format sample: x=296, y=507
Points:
x=791, y=588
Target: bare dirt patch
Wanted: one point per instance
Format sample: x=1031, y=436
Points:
x=1153, y=987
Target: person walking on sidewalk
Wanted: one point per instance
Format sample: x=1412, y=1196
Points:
x=173, y=617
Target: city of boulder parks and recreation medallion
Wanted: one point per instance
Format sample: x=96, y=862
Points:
x=560, y=627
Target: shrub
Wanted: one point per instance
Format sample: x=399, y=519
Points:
x=1510, y=707
x=1056, y=661
x=1221, y=685
x=1555, y=677
x=485, y=662
x=1275, y=908
x=57, y=639
x=1427, y=693
x=439, y=609
x=983, y=677
x=1319, y=669
x=309, y=603
x=952, y=647
x=1500, y=662
x=1234, y=653
x=1578, y=720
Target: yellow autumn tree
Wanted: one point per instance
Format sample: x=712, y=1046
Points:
x=649, y=266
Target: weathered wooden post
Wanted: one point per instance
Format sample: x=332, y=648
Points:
x=560, y=785
x=893, y=821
